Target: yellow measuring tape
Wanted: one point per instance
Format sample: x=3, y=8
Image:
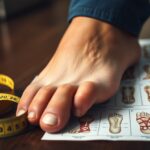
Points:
x=11, y=125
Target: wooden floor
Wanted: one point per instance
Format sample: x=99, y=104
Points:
x=27, y=42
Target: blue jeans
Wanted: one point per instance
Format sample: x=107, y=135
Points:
x=129, y=15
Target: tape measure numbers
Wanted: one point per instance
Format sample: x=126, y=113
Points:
x=11, y=125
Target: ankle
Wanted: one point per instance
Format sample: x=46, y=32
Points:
x=111, y=38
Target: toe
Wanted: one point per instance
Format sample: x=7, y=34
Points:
x=85, y=97
x=39, y=103
x=57, y=112
x=26, y=98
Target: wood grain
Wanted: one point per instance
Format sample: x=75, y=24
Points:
x=27, y=42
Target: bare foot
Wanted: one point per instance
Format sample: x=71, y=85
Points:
x=86, y=69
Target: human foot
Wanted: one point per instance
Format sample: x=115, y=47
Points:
x=86, y=69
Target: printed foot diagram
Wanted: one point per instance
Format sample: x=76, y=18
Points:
x=128, y=94
x=146, y=68
x=115, y=121
x=145, y=51
x=147, y=90
x=143, y=119
x=129, y=74
x=84, y=124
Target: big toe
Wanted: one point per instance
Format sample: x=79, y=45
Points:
x=57, y=112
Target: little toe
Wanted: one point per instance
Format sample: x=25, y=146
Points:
x=39, y=103
x=26, y=98
x=57, y=112
x=85, y=97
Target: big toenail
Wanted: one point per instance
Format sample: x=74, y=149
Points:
x=50, y=119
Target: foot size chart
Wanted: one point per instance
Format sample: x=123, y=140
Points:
x=125, y=116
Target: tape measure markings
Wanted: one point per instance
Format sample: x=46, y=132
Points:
x=12, y=125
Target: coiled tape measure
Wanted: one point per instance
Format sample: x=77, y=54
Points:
x=11, y=125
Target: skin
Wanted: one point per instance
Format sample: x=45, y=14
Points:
x=86, y=69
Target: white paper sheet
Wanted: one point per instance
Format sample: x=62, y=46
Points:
x=126, y=116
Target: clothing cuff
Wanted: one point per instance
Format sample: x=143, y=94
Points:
x=115, y=17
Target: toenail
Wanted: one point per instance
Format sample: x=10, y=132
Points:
x=50, y=119
x=31, y=115
x=20, y=112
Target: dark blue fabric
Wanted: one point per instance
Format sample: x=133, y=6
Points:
x=128, y=15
